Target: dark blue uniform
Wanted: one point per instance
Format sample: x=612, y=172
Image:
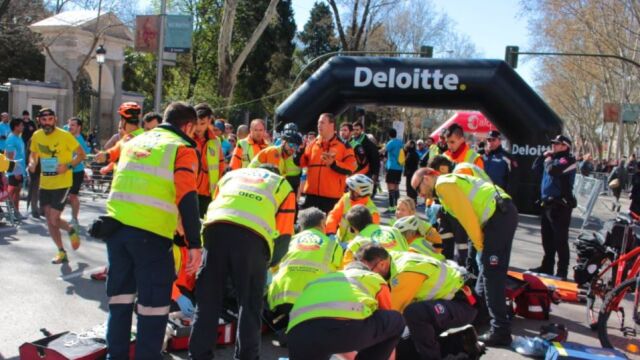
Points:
x=498, y=165
x=558, y=175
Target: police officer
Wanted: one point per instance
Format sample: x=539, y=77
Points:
x=342, y=312
x=497, y=161
x=248, y=223
x=489, y=217
x=429, y=293
x=154, y=186
x=311, y=254
x=558, y=168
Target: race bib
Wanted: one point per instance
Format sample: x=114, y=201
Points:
x=49, y=166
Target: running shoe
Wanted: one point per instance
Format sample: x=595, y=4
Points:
x=60, y=258
x=75, y=238
x=76, y=226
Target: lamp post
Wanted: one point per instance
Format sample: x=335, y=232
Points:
x=101, y=53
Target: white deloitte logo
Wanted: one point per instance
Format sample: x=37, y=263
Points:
x=417, y=79
x=528, y=150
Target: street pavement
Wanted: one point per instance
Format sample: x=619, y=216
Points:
x=37, y=294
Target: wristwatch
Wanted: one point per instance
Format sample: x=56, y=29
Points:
x=69, y=166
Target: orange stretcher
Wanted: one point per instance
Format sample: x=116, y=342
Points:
x=566, y=290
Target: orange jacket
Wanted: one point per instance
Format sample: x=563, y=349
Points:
x=460, y=155
x=327, y=180
x=236, y=158
x=184, y=282
x=335, y=215
x=203, y=175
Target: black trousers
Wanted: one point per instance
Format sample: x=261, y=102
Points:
x=374, y=338
x=428, y=319
x=493, y=264
x=239, y=253
x=323, y=203
x=410, y=191
x=555, y=223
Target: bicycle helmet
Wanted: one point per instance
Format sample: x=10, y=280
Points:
x=292, y=127
x=410, y=223
x=292, y=137
x=360, y=183
x=130, y=111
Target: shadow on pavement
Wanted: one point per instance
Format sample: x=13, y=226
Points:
x=83, y=287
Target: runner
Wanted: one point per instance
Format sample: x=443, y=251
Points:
x=75, y=128
x=53, y=148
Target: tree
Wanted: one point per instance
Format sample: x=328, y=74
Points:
x=23, y=58
x=228, y=67
x=318, y=35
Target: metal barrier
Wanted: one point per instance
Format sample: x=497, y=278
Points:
x=97, y=183
x=586, y=190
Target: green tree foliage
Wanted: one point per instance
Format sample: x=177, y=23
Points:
x=318, y=35
x=22, y=58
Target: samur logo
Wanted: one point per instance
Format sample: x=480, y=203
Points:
x=308, y=242
x=418, y=78
x=383, y=238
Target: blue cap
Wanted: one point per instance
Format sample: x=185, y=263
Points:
x=220, y=125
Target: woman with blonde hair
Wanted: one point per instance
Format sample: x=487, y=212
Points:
x=407, y=207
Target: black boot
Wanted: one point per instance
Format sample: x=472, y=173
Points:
x=494, y=338
x=542, y=270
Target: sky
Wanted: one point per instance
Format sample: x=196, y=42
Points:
x=490, y=24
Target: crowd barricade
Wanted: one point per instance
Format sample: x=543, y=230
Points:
x=586, y=190
x=97, y=182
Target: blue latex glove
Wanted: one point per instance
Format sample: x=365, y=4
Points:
x=185, y=305
x=332, y=237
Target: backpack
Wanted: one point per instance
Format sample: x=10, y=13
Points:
x=401, y=157
x=535, y=301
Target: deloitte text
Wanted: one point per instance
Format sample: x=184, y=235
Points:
x=418, y=79
x=528, y=149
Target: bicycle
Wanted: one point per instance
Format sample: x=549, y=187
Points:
x=615, y=266
x=615, y=332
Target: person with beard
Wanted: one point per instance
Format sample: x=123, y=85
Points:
x=490, y=219
x=366, y=153
x=54, y=148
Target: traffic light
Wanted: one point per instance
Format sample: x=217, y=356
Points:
x=511, y=56
x=426, y=51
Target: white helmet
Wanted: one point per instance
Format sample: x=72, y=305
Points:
x=360, y=183
x=410, y=223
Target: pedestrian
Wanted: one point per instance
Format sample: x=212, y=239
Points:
x=249, y=147
x=228, y=129
x=15, y=150
x=241, y=243
x=346, y=128
x=366, y=231
x=5, y=130
x=130, y=124
x=412, y=160
x=151, y=120
x=617, y=181
x=457, y=149
x=148, y=197
x=632, y=165
x=33, y=197
x=242, y=132
x=366, y=153
x=75, y=128
x=558, y=168
x=311, y=254
x=430, y=294
x=392, y=149
x=329, y=162
x=586, y=166
x=212, y=165
x=421, y=149
x=498, y=163
x=360, y=188
x=490, y=219
x=342, y=312
x=54, y=148
x=29, y=128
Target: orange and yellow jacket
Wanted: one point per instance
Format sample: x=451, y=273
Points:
x=327, y=180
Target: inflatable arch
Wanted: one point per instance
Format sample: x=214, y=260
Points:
x=490, y=86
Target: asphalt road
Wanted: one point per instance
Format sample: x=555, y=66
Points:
x=37, y=294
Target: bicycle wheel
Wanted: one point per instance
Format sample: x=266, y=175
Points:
x=621, y=330
x=596, y=292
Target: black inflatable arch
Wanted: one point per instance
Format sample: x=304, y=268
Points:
x=490, y=86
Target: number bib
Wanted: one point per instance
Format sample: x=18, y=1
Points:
x=49, y=166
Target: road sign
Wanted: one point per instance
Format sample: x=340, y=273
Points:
x=178, y=33
x=630, y=113
x=611, y=112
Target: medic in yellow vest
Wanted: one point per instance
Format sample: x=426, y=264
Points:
x=249, y=147
x=211, y=157
x=490, y=219
x=366, y=231
x=421, y=236
x=280, y=156
x=311, y=254
x=459, y=151
x=360, y=190
x=430, y=293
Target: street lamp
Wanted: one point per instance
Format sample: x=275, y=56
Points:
x=101, y=53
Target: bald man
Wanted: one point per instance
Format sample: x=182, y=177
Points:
x=250, y=146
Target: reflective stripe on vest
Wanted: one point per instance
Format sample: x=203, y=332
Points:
x=471, y=156
x=331, y=305
x=213, y=162
x=284, y=295
x=143, y=192
x=351, y=281
x=424, y=247
x=250, y=198
x=309, y=263
x=442, y=280
x=476, y=170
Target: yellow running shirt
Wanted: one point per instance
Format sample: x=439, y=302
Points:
x=53, y=149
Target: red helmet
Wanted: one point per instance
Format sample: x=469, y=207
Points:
x=130, y=111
